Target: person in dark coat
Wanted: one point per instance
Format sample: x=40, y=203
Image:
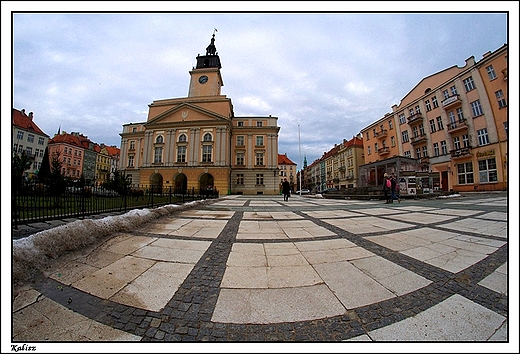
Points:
x=386, y=188
x=286, y=190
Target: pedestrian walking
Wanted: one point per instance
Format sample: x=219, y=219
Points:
x=286, y=190
x=393, y=189
x=387, y=186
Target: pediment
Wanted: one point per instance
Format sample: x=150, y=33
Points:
x=186, y=113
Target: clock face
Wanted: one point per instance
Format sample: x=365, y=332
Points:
x=203, y=79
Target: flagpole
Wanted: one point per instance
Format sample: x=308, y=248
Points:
x=300, y=158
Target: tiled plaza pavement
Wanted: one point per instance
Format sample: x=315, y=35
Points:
x=256, y=268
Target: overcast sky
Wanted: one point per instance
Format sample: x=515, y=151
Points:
x=331, y=74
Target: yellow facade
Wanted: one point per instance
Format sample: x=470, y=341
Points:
x=453, y=123
x=190, y=143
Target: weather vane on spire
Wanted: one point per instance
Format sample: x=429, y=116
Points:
x=215, y=30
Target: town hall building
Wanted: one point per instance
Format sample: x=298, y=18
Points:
x=196, y=143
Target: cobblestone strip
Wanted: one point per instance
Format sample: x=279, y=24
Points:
x=185, y=315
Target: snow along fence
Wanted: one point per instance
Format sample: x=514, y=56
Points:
x=31, y=254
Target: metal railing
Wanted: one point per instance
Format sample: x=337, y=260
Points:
x=35, y=202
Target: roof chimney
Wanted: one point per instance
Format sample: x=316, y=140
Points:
x=31, y=115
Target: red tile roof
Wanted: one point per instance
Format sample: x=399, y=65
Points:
x=25, y=122
x=284, y=160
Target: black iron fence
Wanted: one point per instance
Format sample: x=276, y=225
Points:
x=36, y=202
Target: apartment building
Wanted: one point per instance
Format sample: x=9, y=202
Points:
x=69, y=150
x=28, y=137
x=448, y=133
x=197, y=142
x=287, y=169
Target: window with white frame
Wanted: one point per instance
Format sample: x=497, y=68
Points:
x=425, y=151
x=408, y=154
x=240, y=159
x=434, y=101
x=491, y=72
x=465, y=173
x=207, y=137
x=181, y=153
x=453, y=90
x=460, y=115
x=402, y=118
x=428, y=105
x=240, y=178
x=482, y=136
x=451, y=116
x=369, y=150
x=240, y=124
x=19, y=136
x=418, y=153
x=444, y=147
x=436, y=149
x=259, y=158
x=465, y=140
x=456, y=142
x=404, y=136
x=41, y=141
x=390, y=124
x=259, y=179
x=259, y=140
x=130, y=160
x=258, y=123
x=433, y=127
x=500, y=98
x=30, y=138
x=207, y=151
x=421, y=129
x=487, y=170
x=240, y=140
x=132, y=145
x=392, y=140
x=158, y=155
x=446, y=94
x=440, y=125
x=415, y=131
x=476, y=108
x=468, y=84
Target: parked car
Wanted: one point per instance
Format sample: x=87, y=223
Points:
x=303, y=191
x=329, y=190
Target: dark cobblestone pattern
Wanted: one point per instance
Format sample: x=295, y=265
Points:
x=187, y=316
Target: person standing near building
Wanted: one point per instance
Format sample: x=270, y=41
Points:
x=387, y=186
x=286, y=190
x=394, y=190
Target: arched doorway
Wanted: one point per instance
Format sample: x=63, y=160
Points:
x=206, y=183
x=156, y=182
x=181, y=183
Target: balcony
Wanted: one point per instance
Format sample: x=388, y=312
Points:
x=383, y=133
x=385, y=150
x=418, y=139
x=349, y=177
x=457, y=126
x=415, y=119
x=459, y=153
x=451, y=101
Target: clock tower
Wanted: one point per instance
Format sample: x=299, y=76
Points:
x=205, y=77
